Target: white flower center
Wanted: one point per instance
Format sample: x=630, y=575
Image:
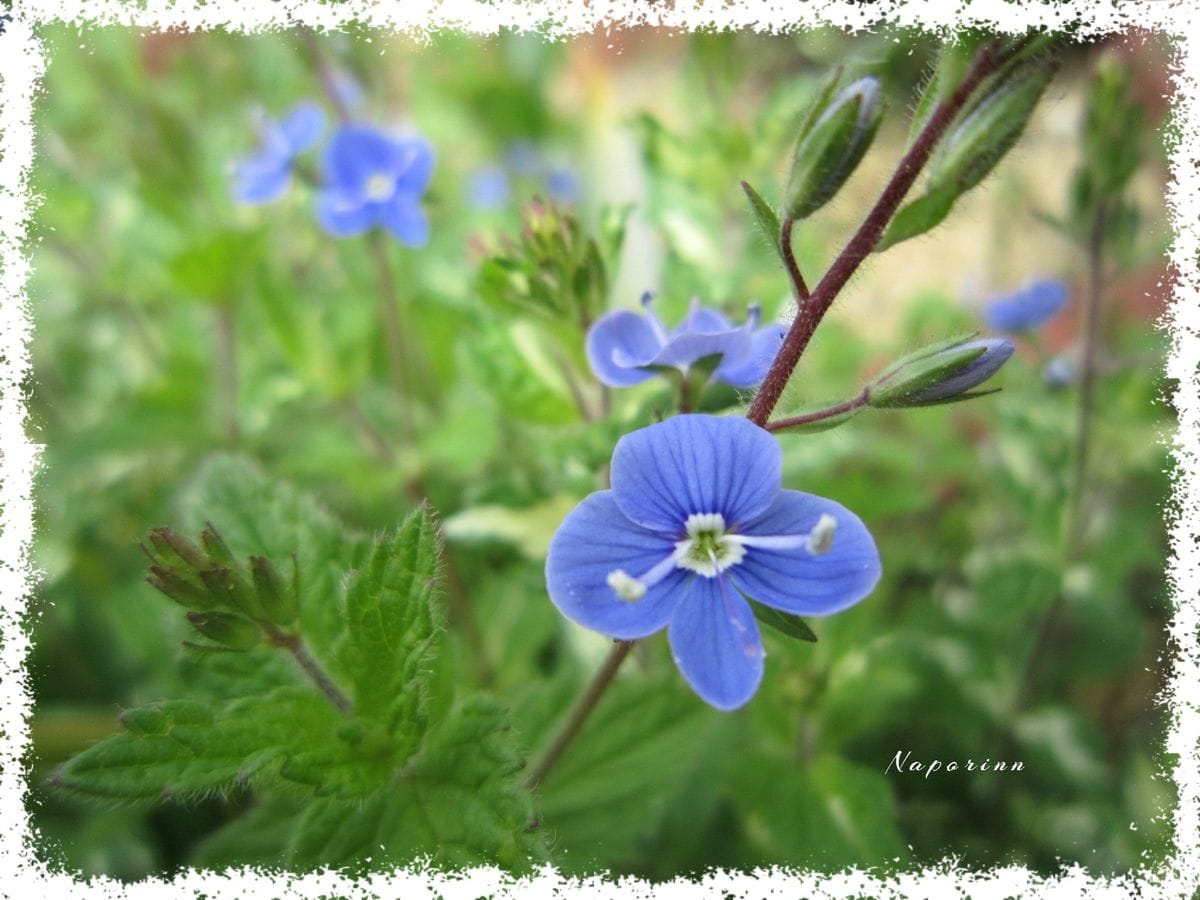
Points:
x=380, y=187
x=709, y=550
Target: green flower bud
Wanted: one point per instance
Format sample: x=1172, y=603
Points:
x=831, y=149
x=231, y=590
x=989, y=130
x=942, y=373
x=218, y=551
x=176, y=550
x=182, y=590
x=227, y=629
x=278, y=600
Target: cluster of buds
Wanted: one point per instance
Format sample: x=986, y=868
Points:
x=555, y=271
x=232, y=604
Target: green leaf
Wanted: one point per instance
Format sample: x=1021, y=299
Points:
x=609, y=789
x=827, y=813
x=768, y=221
x=918, y=217
x=391, y=620
x=182, y=747
x=457, y=802
x=785, y=623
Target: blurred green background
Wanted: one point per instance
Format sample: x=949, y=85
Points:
x=173, y=324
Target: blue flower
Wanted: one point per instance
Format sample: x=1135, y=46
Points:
x=372, y=178
x=488, y=187
x=623, y=345
x=1059, y=373
x=562, y=185
x=696, y=522
x=1028, y=307
x=265, y=176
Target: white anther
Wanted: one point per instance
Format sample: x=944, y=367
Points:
x=820, y=539
x=626, y=586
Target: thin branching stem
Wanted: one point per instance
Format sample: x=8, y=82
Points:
x=868, y=235
x=821, y=414
x=789, y=259
x=294, y=644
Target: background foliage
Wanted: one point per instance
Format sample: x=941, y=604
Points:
x=197, y=361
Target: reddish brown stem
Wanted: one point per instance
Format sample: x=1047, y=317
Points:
x=820, y=414
x=867, y=236
x=789, y=259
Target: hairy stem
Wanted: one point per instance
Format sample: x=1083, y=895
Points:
x=868, y=235
x=227, y=376
x=579, y=715
x=821, y=414
x=789, y=258
x=294, y=644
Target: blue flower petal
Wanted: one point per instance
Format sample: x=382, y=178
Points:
x=703, y=320
x=403, y=217
x=414, y=166
x=691, y=347
x=342, y=215
x=751, y=368
x=355, y=154
x=1027, y=308
x=716, y=643
x=594, y=540
x=488, y=187
x=302, y=127
x=261, y=178
x=794, y=580
x=628, y=334
x=694, y=464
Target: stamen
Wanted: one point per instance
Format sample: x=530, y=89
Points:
x=820, y=539
x=626, y=586
x=632, y=589
x=660, y=333
x=753, y=314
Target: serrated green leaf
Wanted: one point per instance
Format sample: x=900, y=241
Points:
x=182, y=747
x=391, y=620
x=457, y=802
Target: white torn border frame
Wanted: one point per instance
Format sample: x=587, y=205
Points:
x=22, y=63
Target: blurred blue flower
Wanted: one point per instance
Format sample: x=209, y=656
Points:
x=524, y=158
x=1028, y=307
x=265, y=176
x=1059, y=373
x=623, y=347
x=996, y=352
x=562, y=185
x=488, y=187
x=696, y=521
x=372, y=178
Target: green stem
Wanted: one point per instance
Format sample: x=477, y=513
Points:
x=583, y=709
x=227, y=375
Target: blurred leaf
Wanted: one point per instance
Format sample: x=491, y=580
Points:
x=785, y=623
x=530, y=529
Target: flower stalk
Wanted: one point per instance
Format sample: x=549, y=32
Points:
x=867, y=236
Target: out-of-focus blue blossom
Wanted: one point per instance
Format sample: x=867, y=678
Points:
x=563, y=185
x=696, y=521
x=488, y=188
x=265, y=176
x=624, y=347
x=371, y=179
x=1028, y=307
x=1059, y=373
x=524, y=158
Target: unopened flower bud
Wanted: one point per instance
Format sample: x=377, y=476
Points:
x=226, y=629
x=829, y=151
x=176, y=550
x=989, y=130
x=182, y=590
x=941, y=374
x=277, y=599
x=230, y=589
